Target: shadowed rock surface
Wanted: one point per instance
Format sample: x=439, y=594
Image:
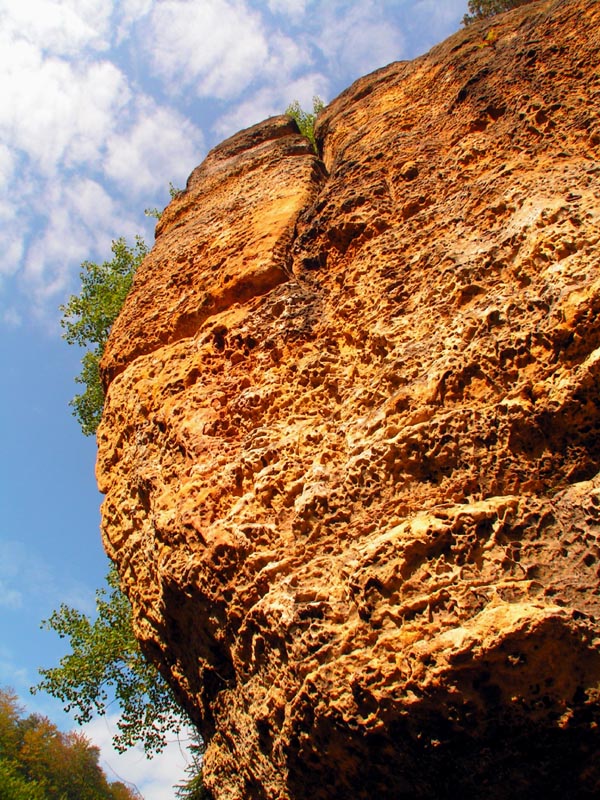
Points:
x=351, y=442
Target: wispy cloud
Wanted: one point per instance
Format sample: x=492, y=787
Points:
x=269, y=101
x=84, y=148
x=216, y=47
x=60, y=26
x=9, y=597
x=10, y=316
x=154, y=778
x=312, y=47
x=27, y=580
x=115, y=98
x=21, y=574
x=357, y=39
x=156, y=144
x=294, y=9
x=12, y=675
x=57, y=113
x=440, y=16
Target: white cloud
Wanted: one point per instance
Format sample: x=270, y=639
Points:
x=154, y=778
x=304, y=89
x=11, y=250
x=62, y=27
x=157, y=147
x=359, y=37
x=90, y=203
x=103, y=102
x=11, y=240
x=26, y=581
x=79, y=218
x=294, y=9
x=271, y=101
x=54, y=111
x=439, y=16
x=79, y=140
x=130, y=12
x=61, y=243
x=7, y=162
x=216, y=46
x=258, y=106
x=11, y=675
x=220, y=48
x=286, y=56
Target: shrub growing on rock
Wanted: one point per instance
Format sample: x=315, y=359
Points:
x=306, y=119
x=480, y=9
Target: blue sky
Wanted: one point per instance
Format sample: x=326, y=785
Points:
x=103, y=104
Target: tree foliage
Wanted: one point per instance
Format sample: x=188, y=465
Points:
x=15, y=786
x=480, y=9
x=39, y=762
x=306, y=119
x=89, y=316
x=193, y=787
x=106, y=663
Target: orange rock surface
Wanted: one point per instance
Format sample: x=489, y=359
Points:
x=351, y=442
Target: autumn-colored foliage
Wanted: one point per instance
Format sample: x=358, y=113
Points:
x=39, y=762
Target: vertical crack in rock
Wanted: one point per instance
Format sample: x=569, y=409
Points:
x=351, y=442
x=224, y=240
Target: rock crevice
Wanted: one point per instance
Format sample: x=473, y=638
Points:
x=226, y=238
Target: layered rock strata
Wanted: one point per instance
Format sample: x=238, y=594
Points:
x=351, y=442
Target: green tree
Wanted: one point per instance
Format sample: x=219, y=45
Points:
x=480, y=9
x=89, y=316
x=105, y=659
x=105, y=662
x=14, y=785
x=306, y=119
x=193, y=788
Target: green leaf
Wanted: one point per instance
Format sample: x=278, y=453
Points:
x=89, y=316
x=106, y=662
x=306, y=119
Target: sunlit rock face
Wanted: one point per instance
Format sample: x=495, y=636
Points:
x=351, y=441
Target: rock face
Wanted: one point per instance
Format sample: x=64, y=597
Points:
x=351, y=442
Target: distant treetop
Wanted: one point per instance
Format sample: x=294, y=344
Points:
x=480, y=9
x=39, y=762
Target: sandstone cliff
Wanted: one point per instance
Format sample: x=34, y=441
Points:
x=351, y=442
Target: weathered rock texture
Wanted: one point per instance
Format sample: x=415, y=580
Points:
x=352, y=436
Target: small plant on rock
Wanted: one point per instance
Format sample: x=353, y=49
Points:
x=155, y=212
x=306, y=119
